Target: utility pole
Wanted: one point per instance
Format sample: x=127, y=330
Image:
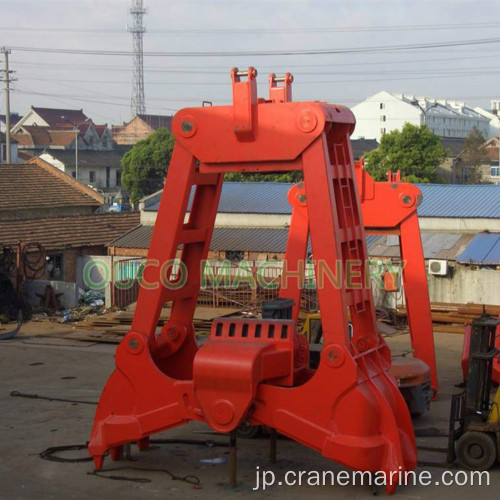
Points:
x=76, y=152
x=7, y=79
x=137, y=29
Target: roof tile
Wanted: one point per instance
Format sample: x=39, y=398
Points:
x=57, y=233
x=33, y=185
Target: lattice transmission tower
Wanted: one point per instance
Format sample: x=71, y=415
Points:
x=137, y=11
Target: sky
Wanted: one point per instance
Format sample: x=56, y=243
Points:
x=378, y=38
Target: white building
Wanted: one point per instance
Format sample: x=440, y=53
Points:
x=494, y=121
x=98, y=169
x=384, y=112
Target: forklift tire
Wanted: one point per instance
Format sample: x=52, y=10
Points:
x=247, y=431
x=476, y=450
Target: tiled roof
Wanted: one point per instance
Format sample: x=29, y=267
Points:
x=33, y=185
x=57, y=233
x=100, y=129
x=454, y=144
x=60, y=117
x=14, y=118
x=484, y=249
x=157, y=121
x=61, y=137
x=42, y=137
x=83, y=127
x=362, y=146
x=440, y=200
x=88, y=158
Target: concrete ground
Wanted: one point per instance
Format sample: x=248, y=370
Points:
x=63, y=368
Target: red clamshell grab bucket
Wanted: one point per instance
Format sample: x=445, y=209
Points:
x=350, y=409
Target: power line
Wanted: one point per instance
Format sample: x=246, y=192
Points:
x=420, y=74
x=218, y=31
x=264, y=53
x=224, y=69
x=25, y=91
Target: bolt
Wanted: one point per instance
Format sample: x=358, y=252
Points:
x=302, y=198
x=307, y=121
x=172, y=333
x=333, y=355
x=406, y=200
x=186, y=126
x=133, y=344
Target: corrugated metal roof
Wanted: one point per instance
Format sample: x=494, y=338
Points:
x=250, y=239
x=440, y=200
x=484, y=249
x=248, y=198
x=460, y=200
x=445, y=246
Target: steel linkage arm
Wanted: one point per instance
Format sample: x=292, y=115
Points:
x=391, y=208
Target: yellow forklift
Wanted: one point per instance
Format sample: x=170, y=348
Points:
x=474, y=439
x=412, y=374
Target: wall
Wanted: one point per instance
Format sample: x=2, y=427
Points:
x=459, y=126
x=440, y=224
x=13, y=153
x=234, y=220
x=100, y=173
x=368, y=116
x=68, y=300
x=133, y=132
x=458, y=225
x=97, y=273
x=481, y=286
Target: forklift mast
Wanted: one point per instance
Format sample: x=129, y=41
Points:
x=350, y=408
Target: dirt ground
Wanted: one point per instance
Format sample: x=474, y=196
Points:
x=39, y=361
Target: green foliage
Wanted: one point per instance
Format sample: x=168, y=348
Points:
x=278, y=177
x=474, y=155
x=144, y=167
x=415, y=151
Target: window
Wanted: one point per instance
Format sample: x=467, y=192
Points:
x=382, y=118
x=382, y=105
x=104, y=142
x=4, y=152
x=382, y=131
x=91, y=176
x=118, y=177
x=108, y=176
x=55, y=269
x=495, y=172
x=73, y=174
x=235, y=255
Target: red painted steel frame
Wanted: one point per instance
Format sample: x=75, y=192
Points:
x=350, y=409
x=391, y=207
x=387, y=207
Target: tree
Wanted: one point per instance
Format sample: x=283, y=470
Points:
x=146, y=164
x=474, y=155
x=415, y=151
x=277, y=177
